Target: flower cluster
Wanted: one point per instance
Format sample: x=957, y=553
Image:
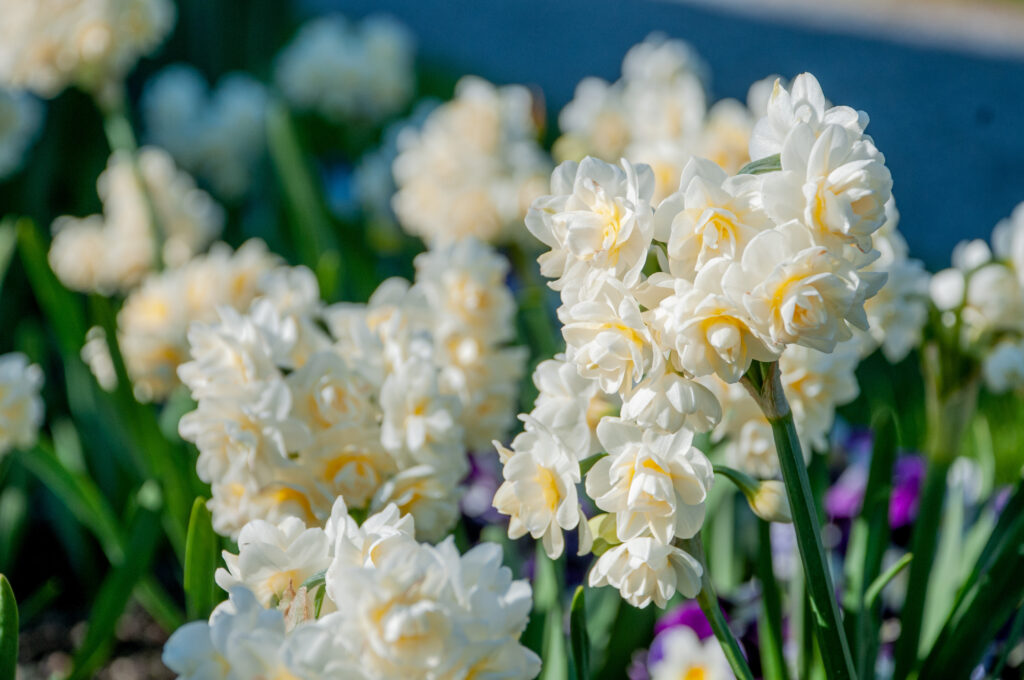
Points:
x=657, y=113
x=981, y=299
x=362, y=602
x=218, y=135
x=20, y=119
x=815, y=383
x=348, y=72
x=21, y=408
x=299, y=404
x=474, y=166
x=45, y=45
x=154, y=320
x=725, y=271
x=169, y=218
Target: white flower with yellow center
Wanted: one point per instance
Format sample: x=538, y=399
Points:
x=49, y=44
x=669, y=402
x=710, y=216
x=836, y=184
x=802, y=104
x=685, y=657
x=274, y=560
x=645, y=570
x=706, y=330
x=800, y=293
x=605, y=335
x=539, y=491
x=594, y=123
x=21, y=409
x=420, y=425
x=369, y=543
x=569, y=405
x=241, y=640
x=599, y=216
x=348, y=461
x=655, y=484
x=429, y=494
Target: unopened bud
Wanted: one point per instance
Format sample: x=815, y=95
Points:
x=603, y=529
x=770, y=502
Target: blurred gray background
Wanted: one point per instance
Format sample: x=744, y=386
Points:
x=947, y=113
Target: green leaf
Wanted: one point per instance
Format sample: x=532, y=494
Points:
x=875, y=589
x=118, y=586
x=762, y=166
x=8, y=242
x=986, y=602
x=85, y=501
x=773, y=660
x=311, y=226
x=200, y=563
x=869, y=538
x=578, y=635
x=555, y=659
x=63, y=309
x=8, y=631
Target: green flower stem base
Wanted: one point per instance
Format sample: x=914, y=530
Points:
x=708, y=601
x=764, y=383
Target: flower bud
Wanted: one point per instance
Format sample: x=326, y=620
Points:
x=770, y=502
x=603, y=529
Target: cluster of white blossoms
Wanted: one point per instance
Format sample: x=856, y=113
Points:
x=346, y=71
x=377, y=403
x=358, y=602
x=815, y=383
x=657, y=113
x=982, y=297
x=216, y=134
x=153, y=322
x=21, y=116
x=21, y=408
x=170, y=219
x=46, y=45
x=723, y=272
x=474, y=166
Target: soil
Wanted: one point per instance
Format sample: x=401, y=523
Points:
x=46, y=648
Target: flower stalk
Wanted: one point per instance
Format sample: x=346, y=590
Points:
x=708, y=601
x=764, y=383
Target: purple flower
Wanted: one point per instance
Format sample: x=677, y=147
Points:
x=844, y=498
x=686, y=614
x=908, y=476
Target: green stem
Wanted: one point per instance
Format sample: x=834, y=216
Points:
x=923, y=545
x=708, y=601
x=765, y=384
x=772, y=658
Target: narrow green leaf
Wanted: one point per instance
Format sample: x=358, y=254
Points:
x=311, y=226
x=8, y=631
x=200, y=562
x=773, y=661
x=993, y=593
x=875, y=589
x=578, y=635
x=1016, y=630
x=85, y=501
x=555, y=659
x=869, y=537
x=63, y=310
x=762, y=165
x=118, y=586
x=8, y=243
